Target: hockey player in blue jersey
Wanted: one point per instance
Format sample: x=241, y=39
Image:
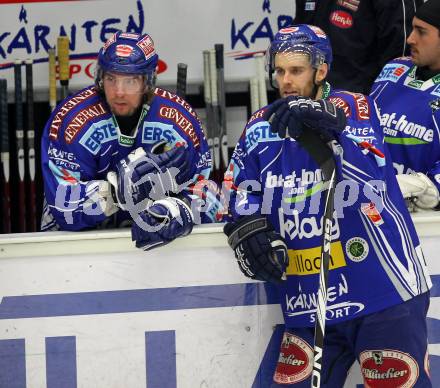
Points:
x=123, y=149
x=378, y=286
x=407, y=92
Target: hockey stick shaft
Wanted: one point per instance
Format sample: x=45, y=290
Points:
x=323, y=156
x=208, y=102
x=4, y=133
x=255, y=99
x=63, y=61
x=219, y=54
x=52, y=79
x=182, y=69
x=261, y=77
x=215, y=114
x=30, y=138
x=19, y=134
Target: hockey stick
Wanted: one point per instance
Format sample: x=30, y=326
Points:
x=261, y=77
x=215, y=115
x=208, y=104
x=181, y=79
x=224, y=159
x=19, y=134
x=4, y=132
x=30, y=137
x=52, y=80
x=63, y=61
x=255, y=99
x=323, y=156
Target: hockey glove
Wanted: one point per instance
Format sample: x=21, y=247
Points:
x=419, y=190
x=260, y=252
x=143, y=175
x=292, y=115
x=161, y=223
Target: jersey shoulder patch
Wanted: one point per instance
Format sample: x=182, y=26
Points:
x=355, y=105
x=162, y=96
x=69, y=108
x=394, y=70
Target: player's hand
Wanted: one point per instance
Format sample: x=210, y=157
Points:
x=292, y=115
x=143, y=175
x=261, y=253
x=161, y=223
x=419, y=190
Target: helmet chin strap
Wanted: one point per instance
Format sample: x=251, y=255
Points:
x=316, y=86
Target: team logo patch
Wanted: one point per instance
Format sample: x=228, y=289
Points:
x=388, y=369
x=341, y=19
x=295, y=361
x=356, y=249
x=123, y=50
x=147, y=46
x=370, y=210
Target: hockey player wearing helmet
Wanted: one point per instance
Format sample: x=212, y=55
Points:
x=407, y=93
x=123, y=150
x=378, y=286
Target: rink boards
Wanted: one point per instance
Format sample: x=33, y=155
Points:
x=89, y=310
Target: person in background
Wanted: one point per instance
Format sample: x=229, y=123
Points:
x=377, y=278
x=123, y=150
x=407, y=93
x=365, y=34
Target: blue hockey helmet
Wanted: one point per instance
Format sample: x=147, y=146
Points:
x=128, y=53
x=303, y=38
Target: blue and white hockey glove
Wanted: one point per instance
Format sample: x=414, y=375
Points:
x=161, y=223
x=261, y=253
x=143, y=175
x=292, y=115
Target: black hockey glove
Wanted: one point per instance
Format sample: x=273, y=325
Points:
x=296, y=114
x=146, y=175
x=260, y=252
x=161, y=223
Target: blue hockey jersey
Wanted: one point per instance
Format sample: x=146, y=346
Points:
x=410, y=118
x=376, y=259
x=82, y=142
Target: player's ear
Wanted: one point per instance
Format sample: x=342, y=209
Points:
x=321, y=73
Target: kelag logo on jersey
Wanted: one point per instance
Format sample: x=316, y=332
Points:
x=154, y=132
x=99, y=133
x=259, y=132
x=392, y=72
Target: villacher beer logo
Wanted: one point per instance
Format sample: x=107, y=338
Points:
x=388, y=369
x=295, y=361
